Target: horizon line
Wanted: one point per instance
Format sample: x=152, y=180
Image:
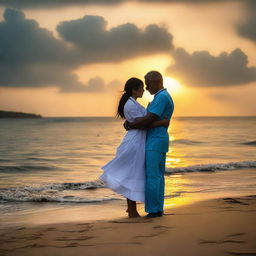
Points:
x=172, y=117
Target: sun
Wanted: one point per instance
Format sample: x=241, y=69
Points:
x=172, y=85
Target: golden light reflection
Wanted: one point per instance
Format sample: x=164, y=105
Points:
x=174, y=185
x=172, y=138
x=177, y=202
x=175, y=159
x=176, y=156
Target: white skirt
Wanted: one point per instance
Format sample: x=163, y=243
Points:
x=125, y=174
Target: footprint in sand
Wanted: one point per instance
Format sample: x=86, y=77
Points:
x=72, y=239
x=146, y=236
x=236, y=234
x=222, y=241
x=233, y=201
x=51, y=229
x=72, y=245
x=243, y=253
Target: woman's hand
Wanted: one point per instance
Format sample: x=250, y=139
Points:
x=166, y=122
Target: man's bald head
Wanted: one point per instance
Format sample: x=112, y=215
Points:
x=153, y=81
x=154, y=75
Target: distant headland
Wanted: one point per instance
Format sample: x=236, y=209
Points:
x=11, y=114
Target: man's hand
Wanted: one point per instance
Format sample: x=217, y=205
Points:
x=126, y=125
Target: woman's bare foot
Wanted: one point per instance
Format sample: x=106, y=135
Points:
x=132, y=210
x=133, y=214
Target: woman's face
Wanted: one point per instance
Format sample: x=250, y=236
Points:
x=140, y=91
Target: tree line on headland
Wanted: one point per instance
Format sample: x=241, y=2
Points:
x=11, y=114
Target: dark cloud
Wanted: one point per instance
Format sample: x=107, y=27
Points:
x=201, y=69
x=90, y=35
x=247, y=28
x=59, y=3
x=23, y=41
x=31, y=56
x=188, y=1
x=53, y=3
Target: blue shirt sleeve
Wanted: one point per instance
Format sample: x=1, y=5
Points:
x=158, y=105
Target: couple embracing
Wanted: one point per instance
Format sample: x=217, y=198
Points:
x=137, y=171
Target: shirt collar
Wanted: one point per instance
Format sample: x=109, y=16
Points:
x=160, y=91
x=132, y=99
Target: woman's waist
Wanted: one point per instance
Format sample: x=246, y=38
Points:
x=136, y=131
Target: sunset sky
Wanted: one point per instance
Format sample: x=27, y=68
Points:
x=72, y=58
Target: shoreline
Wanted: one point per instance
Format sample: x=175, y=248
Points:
x=224, y=226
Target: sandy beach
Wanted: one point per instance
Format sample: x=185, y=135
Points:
x=215, y=227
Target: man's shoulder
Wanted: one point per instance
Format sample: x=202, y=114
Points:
x=163, y=95
x=162, y=92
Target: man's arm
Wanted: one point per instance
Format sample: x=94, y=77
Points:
x=164, y=122
x=143, y=122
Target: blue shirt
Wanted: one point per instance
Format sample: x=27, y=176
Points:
x=162, y=106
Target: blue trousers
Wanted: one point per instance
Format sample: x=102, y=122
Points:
x=154, y=189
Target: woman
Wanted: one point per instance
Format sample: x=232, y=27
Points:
x=125, y=174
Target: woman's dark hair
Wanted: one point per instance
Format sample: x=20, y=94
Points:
x=131, y=84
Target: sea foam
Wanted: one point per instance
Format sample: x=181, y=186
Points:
x=212, y=167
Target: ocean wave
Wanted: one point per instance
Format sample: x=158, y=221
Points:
x=5, y=160
x=24, y=196
x=37, y=158
x=212, y=167
x=27, y=168
x=75, y=119
x=67, y=186
x=187, y=142
x=51, y=193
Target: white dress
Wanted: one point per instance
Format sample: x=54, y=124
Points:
x=125, y=174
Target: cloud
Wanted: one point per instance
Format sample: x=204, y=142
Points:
x=90, y=35
x=96, y=84
x=60, y=3
x=188, y=1
x=53, y=3
x=30, y=56
x=23, y=41
x=247, y=28
x=201, y=69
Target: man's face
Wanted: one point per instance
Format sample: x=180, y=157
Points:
x=151, y=85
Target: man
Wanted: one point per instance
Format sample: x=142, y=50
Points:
x=157, y=142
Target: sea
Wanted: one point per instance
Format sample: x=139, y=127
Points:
x=50, y=167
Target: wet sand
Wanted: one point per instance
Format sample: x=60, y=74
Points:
x=211, y=228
